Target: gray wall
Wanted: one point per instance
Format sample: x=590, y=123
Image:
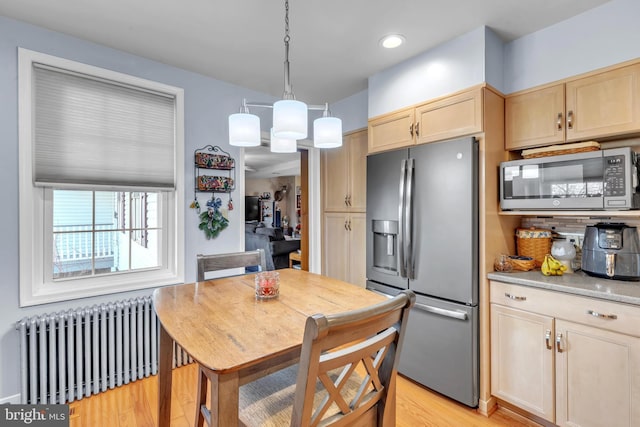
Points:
x=599, y=37
x=208, y=103
x=447, y=68
x=353, y=111
x=603, y=36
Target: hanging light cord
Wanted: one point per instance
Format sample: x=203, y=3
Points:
x=288, y=90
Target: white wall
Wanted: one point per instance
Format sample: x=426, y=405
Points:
x=599, y=37
x=208, y=103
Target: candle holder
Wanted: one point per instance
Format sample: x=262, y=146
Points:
x=267, y=284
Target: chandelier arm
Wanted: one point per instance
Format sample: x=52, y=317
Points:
x=318, y=107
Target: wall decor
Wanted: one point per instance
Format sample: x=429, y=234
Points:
x=214, y=172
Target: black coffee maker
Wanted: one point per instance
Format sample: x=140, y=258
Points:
x=612, y=251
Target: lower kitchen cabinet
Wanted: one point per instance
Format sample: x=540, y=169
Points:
x=344, y=247
x=521, y=360
x=597, y=376
x=554, y=357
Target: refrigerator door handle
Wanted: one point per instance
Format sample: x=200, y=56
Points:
x=408, y=206
x=401, y=234
x=461, y=315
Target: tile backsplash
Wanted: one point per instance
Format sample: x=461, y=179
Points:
x=574, y=227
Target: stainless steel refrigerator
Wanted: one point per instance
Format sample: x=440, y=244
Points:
x=422, y=234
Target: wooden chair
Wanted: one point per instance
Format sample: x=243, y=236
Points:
x=346, y=374
x=227, y=261
x=218, y=262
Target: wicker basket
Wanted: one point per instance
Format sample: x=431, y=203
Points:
x=534, y=243
x=522, y=263
x=556, y=150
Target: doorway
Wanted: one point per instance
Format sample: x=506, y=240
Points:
x=282, y=181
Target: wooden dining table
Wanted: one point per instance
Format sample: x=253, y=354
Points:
x=222, y=325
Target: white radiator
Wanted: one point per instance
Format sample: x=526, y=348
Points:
x=68, y=355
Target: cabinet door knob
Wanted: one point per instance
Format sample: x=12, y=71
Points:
x=559, y=121
x=345, y=225
x=570, y=119
x=547, y=339
x=559, y=343
x=417, y=130
x=411, y=130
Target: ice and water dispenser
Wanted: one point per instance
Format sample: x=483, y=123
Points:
x=385, y=246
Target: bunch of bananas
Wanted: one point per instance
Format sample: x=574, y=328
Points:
x=552, y=267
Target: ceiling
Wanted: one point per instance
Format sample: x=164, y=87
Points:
x=334, y=44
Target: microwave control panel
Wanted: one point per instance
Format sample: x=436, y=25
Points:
x=614, y=176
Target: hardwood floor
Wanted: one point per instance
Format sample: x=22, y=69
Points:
x=135, y=405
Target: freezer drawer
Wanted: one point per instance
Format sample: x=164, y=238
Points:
x=440, y=348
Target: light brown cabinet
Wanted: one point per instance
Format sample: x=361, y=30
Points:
x=344, y=175
x=392, y=131
x=444, y=118
x=601, y=105
x=345, y=248
x=535, y=118
x=447, y=118
x=574, y=361
x=604, y=105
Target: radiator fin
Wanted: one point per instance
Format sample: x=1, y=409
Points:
x=72, y=354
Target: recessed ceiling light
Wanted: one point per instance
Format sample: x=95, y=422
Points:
x=391, y=41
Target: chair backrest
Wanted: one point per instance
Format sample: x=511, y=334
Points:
x=230, y=260
x=366, y=342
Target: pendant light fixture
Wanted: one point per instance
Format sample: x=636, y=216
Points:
x=290, y=117
x=281, y=145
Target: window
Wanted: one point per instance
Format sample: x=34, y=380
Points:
x=101, y=181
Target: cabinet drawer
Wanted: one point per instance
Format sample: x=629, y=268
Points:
x=584, y=310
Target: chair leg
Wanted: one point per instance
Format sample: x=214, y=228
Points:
x=201, y=398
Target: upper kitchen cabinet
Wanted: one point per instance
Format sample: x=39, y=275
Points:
x=444, y=118
x=535, y=118
x=604, y=105
x=395, y=130
x=344, y=175
x=597, y=106
x=450, y=117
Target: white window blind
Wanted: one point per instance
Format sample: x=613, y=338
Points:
x=90, y=131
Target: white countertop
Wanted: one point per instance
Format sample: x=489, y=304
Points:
x=578, y=283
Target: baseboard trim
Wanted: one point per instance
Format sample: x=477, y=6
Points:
x=487, y=407
x=14, y=400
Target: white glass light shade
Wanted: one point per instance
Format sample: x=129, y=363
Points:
x=327, y=132
x=244, y=130
x=290, y=119
x=280, y=145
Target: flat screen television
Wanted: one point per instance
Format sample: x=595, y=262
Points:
x=251, y=208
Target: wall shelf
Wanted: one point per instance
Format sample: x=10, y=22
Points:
x=213, y=158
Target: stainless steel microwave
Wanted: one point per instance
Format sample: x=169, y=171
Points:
x=598, y=180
